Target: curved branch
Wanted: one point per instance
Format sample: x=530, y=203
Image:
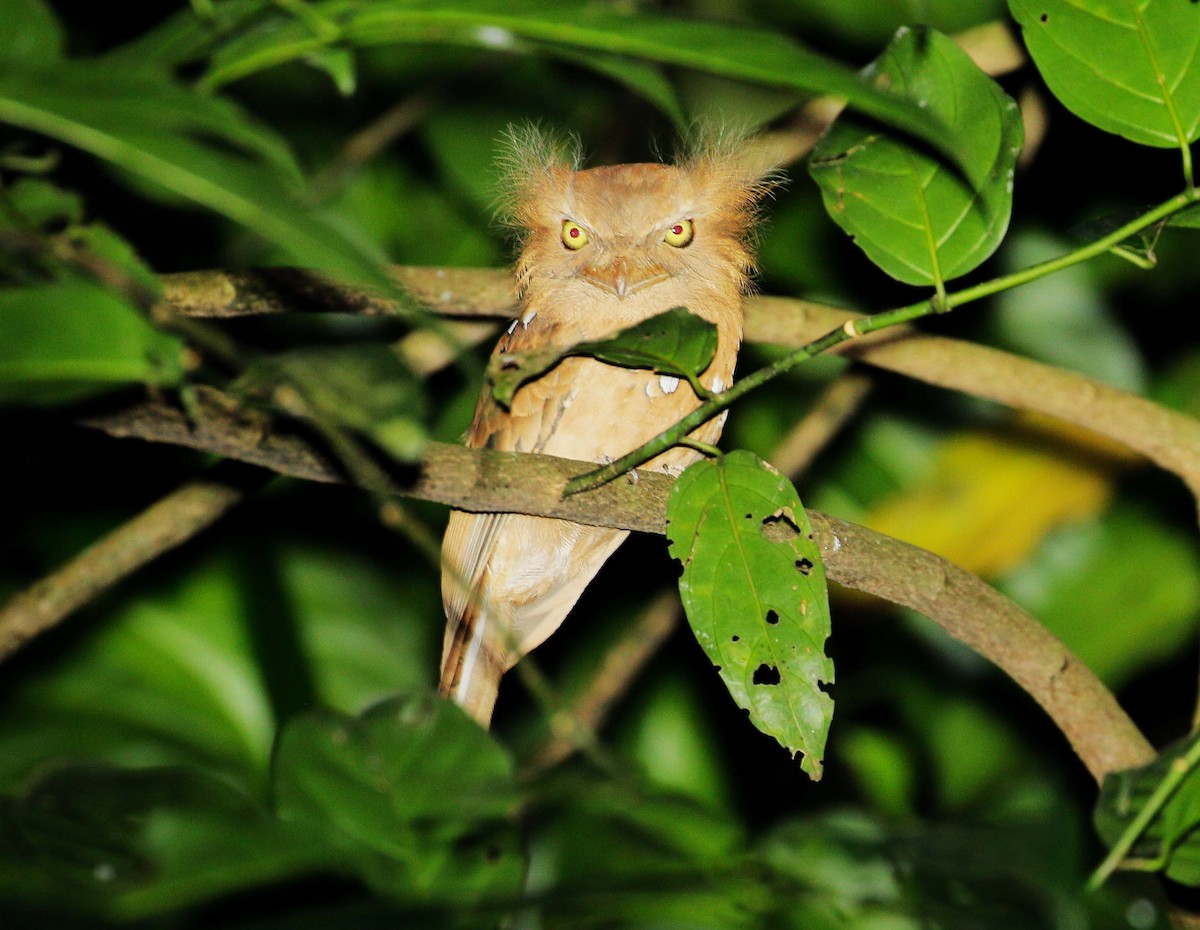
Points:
x=1166, y=437
x=968, y=609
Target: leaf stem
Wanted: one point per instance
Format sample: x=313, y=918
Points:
x=1179, y=770
x=852, y=329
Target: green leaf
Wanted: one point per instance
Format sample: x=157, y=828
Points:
x=138, y=842
x=364, y=387
x=675, y=343
x=1067, y=584
x=754, y=55
x=1171, y=842
x=39, y=203
x=754, y=589
x=1131, y=67
x=184, y=36
x=191, y=144
x=31, y=33
x=64, y=341
x=919, y=218
x=414, y=793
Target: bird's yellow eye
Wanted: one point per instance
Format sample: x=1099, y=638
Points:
x=574, y=236
x=680, y=234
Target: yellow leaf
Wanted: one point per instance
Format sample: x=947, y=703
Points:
x=993, y=495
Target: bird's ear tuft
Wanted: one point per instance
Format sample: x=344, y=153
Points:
x=532, y=162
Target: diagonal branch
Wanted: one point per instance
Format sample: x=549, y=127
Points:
x=1166, y=437
x=967, y=608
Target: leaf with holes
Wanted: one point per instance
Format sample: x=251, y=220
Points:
x=754, y=589
x=1131, y=68
x=675, y=343
x=917, y=216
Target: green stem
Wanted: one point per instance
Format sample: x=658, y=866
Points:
x=1171, y=781
x=852, y=329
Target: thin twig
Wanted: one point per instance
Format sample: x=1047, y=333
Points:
x=167, y=523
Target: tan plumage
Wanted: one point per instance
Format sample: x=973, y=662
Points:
x=509, y=580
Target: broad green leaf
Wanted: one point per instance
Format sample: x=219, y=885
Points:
x=675, y=343
x=1171, y=842
x=413, y=792
x=364, y=387
x=31, y=33
x=922, y=219
x=755, y=55
x=1131, y=67
x=194, y=145
x=754, y=589
x=67, y=340
x=139, y=842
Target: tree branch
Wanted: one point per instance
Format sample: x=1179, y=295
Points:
x=1169, y=439
x=482, y=480
x=167, y=523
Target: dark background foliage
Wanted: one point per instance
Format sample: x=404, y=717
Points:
x=186, y=751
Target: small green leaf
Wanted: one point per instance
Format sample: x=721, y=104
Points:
x=364, y=387
x=920, y=218
x=1131, y=68
x=676, y=343
x=417, y=796
x=38, y=203
x=339, y=64
x=1171, y=841
x=64, y=341
x=754, y=589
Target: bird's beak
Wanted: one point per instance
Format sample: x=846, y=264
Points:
x=623, y=277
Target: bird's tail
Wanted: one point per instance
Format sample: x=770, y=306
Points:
x=471, y=667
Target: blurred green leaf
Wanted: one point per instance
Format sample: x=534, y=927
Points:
x=194, y=145
x=167, y=677
x=1129, y=68
x=366, y=387
x=610, y=854
x=39, y=203
x=1171, y=841
x=31, y=33
x=755, y=55
x=642, y=77
x=63, y=341
x=1064, y=318
x=417, y=796
x=872, y=25
x=185, y=36
x=340, y=65
x=754, y=589
x=849, y=871
x=920, y=218
x=1070, y=585
x=139, y=842
x=670, y=736
x=675, y=343
x=883, y=768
